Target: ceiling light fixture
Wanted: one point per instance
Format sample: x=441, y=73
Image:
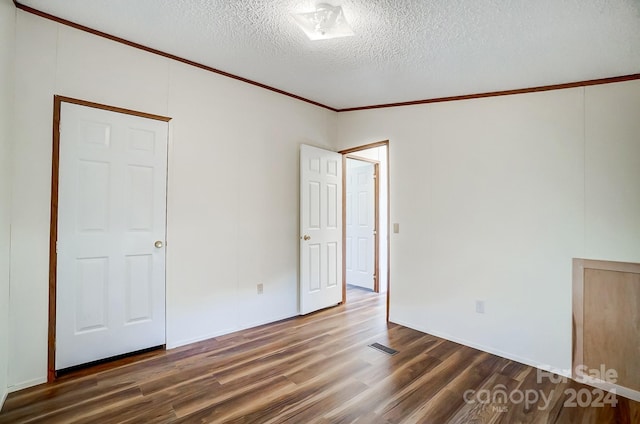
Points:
x=326, y=22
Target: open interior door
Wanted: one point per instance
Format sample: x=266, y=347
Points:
x=320, y=229
x=361, y=223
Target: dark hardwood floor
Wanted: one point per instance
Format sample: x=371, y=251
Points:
x=312, y=369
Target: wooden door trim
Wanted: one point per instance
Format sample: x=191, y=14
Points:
x=349, y=153
x=364, y=147
x=60, y=99
x=53, y=223
x=53, y=237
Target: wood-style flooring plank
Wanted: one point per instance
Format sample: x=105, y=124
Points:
x=316, y=368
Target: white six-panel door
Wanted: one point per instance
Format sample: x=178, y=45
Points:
x=320, y=229
x=360, y=239
x=111, y=232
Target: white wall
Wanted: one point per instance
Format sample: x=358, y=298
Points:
x=494, y=198
x=613, y=181
x=7, y=33
x=233, y=184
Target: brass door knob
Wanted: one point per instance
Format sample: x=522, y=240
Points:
x=306, y=237
x=158, y=244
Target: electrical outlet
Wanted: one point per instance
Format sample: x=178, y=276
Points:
x=480, y=306
x=260, y=288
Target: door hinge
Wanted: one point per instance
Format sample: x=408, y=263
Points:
x=56, y=246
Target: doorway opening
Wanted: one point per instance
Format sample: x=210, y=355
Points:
x=365, y=238
x=361, y=222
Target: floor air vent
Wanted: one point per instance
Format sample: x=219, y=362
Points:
x=383, y=349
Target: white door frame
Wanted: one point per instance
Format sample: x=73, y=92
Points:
x=53, y=236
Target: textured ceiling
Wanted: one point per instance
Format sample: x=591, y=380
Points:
x=403, y=50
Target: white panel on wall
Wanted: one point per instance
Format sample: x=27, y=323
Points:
x=492, y=208
x=249, y=205
x=7, y=83
x=613, y=172
x=30, y=207
x=91, y=68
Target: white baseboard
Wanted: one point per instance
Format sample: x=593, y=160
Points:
x=184, y=342
x=3, y=397
x=267, y=321
x=27, y=384
x=611, y=387
x=507, y=355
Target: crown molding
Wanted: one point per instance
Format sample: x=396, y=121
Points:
x=537, y=89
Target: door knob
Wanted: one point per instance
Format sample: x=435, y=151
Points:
x=306, y=237
x=158, y=244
